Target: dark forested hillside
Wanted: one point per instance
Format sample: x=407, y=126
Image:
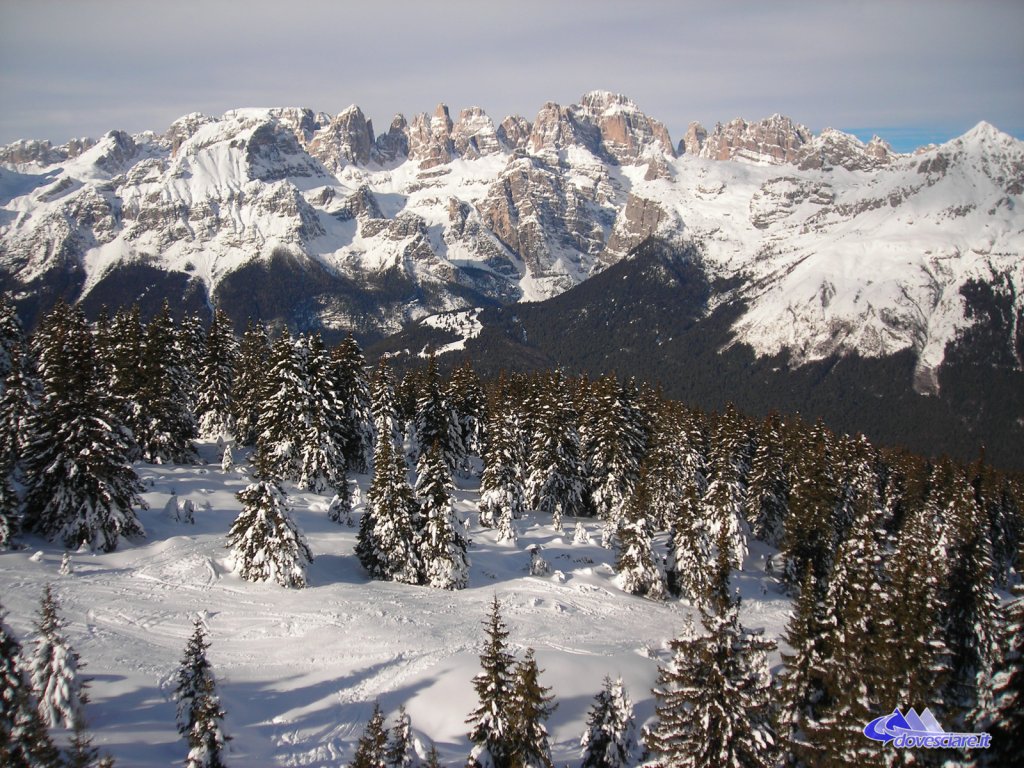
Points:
x=648, y=317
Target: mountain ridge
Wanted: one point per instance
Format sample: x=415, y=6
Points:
x=832, y=246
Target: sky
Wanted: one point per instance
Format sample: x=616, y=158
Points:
x=911, y=72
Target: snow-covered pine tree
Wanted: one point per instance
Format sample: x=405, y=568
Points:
x=200, y=715
x=167, y=426
x=265, y=542
x=400, y=753
x=372, y=747
x=217, y=379
x=970, y=606
x=433, y=758
x=388, y=541
x=55, y=669
x=723, y=500
x=80, y=484
x=638, y=572
x=914, y=574
x=857, y=660
x=673, y=464
x=18, y=404
x=387, y=421
x=767, y=498
x=531, y=706
x=119, y=345
x=713, y=699
x=355, y=404
x=250, y=388
x=443, y=538
x=614, y=446
x=1007, y=726
x=502, y=493
x=801, y=685
x=555, y=479
x=491, y=721
x=282, y=416
x=466, y=395
x=227, y=459
x=12, y=337
x=323, y=420
x=340, y=508
x=579, y=534
x=688, y=572
x=435, y=419
x=24, y=738
x=810, y=530
x=610, y=738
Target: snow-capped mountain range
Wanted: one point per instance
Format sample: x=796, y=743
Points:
x=833, y=245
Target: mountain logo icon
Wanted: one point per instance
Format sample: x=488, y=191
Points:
x=916, y=731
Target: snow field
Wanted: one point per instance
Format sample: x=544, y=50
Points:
x=298, y=671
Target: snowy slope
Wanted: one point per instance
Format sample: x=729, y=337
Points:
x=835, y=246
x=299, y=671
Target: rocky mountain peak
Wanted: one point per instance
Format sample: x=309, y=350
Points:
x=430, y=138
x=394, y=144
x=43, y=152
x=514, y=132
x=693, y=141
x=347, y=139
x=474, y=135
x=833, y=148
x=776, y=139
x=627, y=134
x=557, y=128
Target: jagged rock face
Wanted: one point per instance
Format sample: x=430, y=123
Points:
x=474, y=135
x=693, y=141
x=627, y=134
x=557, y=128
x=514, y=132
x=42, y=152
x=639, y=220
x=346, y=140
x=430, y=138
x=837, y=149
x=389, y=228
x=393, y=145
x=776, y=139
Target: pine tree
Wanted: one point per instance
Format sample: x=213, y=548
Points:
x=24, y=738
x=387, y=421
x=810, y=531
x=610, y=738
x=688, y=572
x=80, y=485
x=614, y=445
x=767, y=497
x=356, y=417
x=802, y=682
x=217, y=379
x=673, y=465
x=17, y=411
x=433, y=758
x=443, y=540
x=265, y=542
x=713, y=698
x=400, y=747
x=372, y=747
x=636, y=566
x=857, y=664
x=55, y=669
x=555, y=479
x=466, y=395
x=491, y=722
x=969, y=603
x=502, y=493
x=388, y=541
x=435, y=419
x=1007, y=726
x=250, y=388
x=531, y=707
x=167, y=426
x=200, y=715
x=285, y=408
x=322, y=459
x=12, y=337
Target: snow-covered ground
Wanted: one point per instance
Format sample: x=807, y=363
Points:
x=299, y=670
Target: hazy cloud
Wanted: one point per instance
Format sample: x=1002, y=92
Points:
x=910, y=68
